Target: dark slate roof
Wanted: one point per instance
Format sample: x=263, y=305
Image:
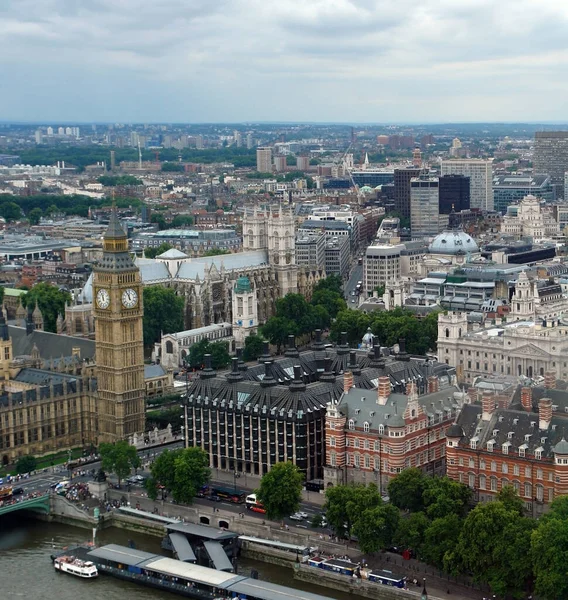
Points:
x=50, y=345
x=151, y=371
x=517, y=428
x=114, y=230
x=42, y=377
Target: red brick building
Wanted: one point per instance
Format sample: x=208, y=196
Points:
x=373, y=434
x=517, y=441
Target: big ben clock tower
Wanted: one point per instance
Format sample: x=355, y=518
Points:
x=118, y=310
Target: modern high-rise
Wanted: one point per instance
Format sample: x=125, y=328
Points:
x=551, y=157
x=480, y=173
x=424, y=202
x=280, y=163
x=264, y=160
x=402, y=179
x=454, y=194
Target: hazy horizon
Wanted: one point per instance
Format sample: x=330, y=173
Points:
x=249, y=61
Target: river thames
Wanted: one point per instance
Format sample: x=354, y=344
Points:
x=27, y=570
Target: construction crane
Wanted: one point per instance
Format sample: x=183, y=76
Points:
x=139, y=156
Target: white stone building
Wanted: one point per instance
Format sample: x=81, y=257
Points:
x=530, y=219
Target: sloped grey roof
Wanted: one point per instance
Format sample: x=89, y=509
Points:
x=231, y=262
x=50, y=345
x=42, y=377
x=153, y=271
x=151, y=371
x=172, y=253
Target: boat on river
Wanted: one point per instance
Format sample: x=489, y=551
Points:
x=75, y=566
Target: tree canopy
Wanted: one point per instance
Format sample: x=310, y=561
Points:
x=26, y=464
x=182, y=472
x=50, y=300
x=119, y=458
x=163, y=312
x=253, y=347
x=153, y=252
x=114, y=180
x=280, y=490
x=219, y=352
x=10, y=211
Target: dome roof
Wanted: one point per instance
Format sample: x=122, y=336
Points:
x=366, y=189
x=453, y=242
x=454, y=430
x=396, y=421
x=243, y=285
x=561, y=447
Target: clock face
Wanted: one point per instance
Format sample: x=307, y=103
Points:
x=103, y=299
x=129, y=298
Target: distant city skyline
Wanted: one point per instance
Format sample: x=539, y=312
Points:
x=323, y=61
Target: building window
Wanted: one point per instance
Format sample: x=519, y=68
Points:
x=528, y=490
x=515, y=469
x=493, y=466
x=381, y=429
x=539, y=473
x=367, y=462
x=538, y=453
x=357, y=460
x=539, y=493
x=471, y=482
x=351, y=424
x=481, y=463
x=333, y=459
x=516, y=486
x=482, y=482
x=493, y=484
x=356, y=442
x=332, y=441
x=471, y=463
x=504, y=468
x=366, y=444
x=527, y=471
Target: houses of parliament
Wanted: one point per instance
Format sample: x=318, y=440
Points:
x=59, y=392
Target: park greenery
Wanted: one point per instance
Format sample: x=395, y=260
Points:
x=389, y=327
x=163, y=313
x=181, y=472
x=115, y=180
x=280, y=490
x=46, y=205
x=153, y=252
x=26, y=464
x=119, y=458
x=219, y=352
x=296, y=316
x=177, y=222
x=253, y=347
x=50, y=300
x=81, y=156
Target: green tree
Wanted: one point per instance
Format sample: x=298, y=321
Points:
x=316, y=521
x=443, y=496
x=375, y=527
x=411, y=530
x=253, y=347
x=170, y=167
x=197, y=353
x=406, y=489
x=34, y=216
x=220, y=356
x=511, y=500
x=494, y=544
x=50, y=300
x=216, y=252
x=280, y=490
x=440, y=539
x=153, y=252
x=345, y=503
x=277, y=329
x=333, y=302
x=159, y=220
x=332, y=283
x=163, y=312
x=191, y=472
x=181, y=221
x=119, y=458
x=162, y=473
x=549, y=553
x=114, y=180
x=26, y=464
x=354, y=322
x=10, y=211
x=52, y=209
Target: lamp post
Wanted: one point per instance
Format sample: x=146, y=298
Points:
x=235, y=477
x=424, y=595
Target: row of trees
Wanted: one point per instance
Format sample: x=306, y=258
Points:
x=494, y=542
x=389, y=326
x=296, y=316
x=219, y=351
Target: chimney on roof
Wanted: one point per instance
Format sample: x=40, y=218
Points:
x=487, y=405
x=291, y=351
x=550, y=380
x=544, y=413
x=526, y=398
x=433, y=384
x=383, y=390
x=347, y=381
x=472, y=394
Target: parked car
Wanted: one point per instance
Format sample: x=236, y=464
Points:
x=296, y=517
x=302, y=514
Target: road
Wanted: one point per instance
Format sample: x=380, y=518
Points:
x=44, y=480
x=355, y=276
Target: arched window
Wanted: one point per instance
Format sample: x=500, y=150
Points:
x=381, y=428
x=366, y=427
x=493, y=484
x=351, y=424
x=528, y=490
x=460, y=332
x=482, y=483
x=447, y=332
x=169, y=347
x=539, y=493
x=471, y=480
x=516, y=486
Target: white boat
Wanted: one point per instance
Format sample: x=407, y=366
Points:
x=74, y=566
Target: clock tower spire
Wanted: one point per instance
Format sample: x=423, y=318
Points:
x=118, y=310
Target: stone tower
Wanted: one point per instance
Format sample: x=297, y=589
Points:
x=118, y=311
x=282, y=250
x=245, y=311
x=5, y=348
x=522, y=302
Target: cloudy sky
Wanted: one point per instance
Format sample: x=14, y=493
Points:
x=284, y=60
